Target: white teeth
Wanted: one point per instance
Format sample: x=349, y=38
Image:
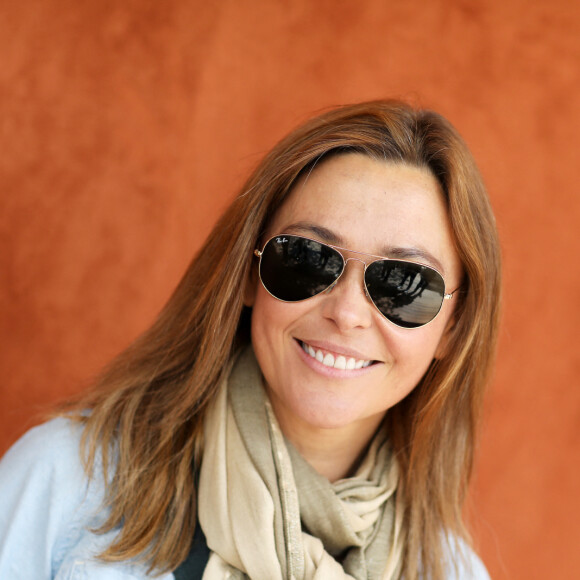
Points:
x=340, y=362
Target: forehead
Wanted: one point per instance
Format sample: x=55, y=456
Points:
x=372, y=206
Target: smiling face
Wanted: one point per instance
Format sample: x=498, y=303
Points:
x=370, y=206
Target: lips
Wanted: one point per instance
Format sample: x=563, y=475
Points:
x=337, y=361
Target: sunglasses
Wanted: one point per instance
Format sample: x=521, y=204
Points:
x=294, y=268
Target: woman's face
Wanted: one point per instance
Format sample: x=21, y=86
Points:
x=376, y=207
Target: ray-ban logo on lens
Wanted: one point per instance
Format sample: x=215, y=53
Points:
x=281, y=240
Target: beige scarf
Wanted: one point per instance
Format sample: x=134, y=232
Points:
x=267, y=515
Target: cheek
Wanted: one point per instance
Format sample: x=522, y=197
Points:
x=261, y=316
x=412, y=350
x=274, y=325
x=277, y=318
x=270, y=319
x=265, y=311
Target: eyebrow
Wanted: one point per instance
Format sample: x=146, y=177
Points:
x=394, y=252
x=321, y=232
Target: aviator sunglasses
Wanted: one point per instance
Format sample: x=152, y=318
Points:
x=294, y=268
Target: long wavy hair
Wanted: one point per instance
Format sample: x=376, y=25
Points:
x=148, y=407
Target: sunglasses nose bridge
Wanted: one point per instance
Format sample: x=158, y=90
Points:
x=364, y=265
x=347, y=260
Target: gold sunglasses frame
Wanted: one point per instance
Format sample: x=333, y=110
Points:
x=446, y=296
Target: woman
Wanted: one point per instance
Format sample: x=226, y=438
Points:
x=306, y=405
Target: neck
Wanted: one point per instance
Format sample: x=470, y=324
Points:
x=333, y=453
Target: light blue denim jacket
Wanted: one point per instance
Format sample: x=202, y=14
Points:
x=48, y=507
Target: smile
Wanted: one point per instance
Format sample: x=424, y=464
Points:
x=335, y=362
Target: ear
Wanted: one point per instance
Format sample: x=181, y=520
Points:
x=251, y=287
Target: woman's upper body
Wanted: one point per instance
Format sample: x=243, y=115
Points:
x=49, y=510
x=361, y=263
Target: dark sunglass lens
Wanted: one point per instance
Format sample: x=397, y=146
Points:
x=408, y=294
x=294, y=268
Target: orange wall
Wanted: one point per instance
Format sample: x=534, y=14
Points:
x=126, y=126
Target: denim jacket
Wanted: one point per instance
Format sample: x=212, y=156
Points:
x=47, y=509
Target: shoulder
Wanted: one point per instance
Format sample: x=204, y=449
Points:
x=52, y=445
x=464, y=562
x=46, y=464
x=46, y=459
x=49, y=507
x=45, y=500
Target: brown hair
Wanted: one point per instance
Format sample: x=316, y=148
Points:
x=148, y=406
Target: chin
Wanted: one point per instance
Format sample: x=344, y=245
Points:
x=331, y=418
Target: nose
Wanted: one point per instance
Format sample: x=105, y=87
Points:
x=346, y=303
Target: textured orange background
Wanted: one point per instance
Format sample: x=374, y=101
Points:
x=126, y=126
